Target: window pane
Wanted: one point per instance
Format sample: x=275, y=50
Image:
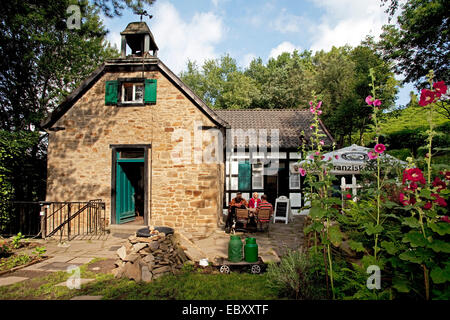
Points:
x=296, y=199
x=127, y=92
x=234, y=167
x=294, y=181
x=132, y=154
x=257, y=181
x=139, y=93
x=234, y=183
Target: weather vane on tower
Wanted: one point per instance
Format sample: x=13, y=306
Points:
x=143, y=12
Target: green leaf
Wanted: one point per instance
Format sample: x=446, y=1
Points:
x=442, y=228
x=335, y=235
x=440, y=246
x=415, y=239
x=390, y=247
x=401, y=285
x=425, y=193
x=415, y=256
x=389, y=204
x=439, y=275
x=372, y=229
x=317, y=212
x=411, y=222
x=357, y=246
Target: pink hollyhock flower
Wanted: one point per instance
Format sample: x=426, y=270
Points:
x=329, y=158
x=336, y=156
x=319, y=105
x=426, y=97
x=302, y=172
x=447, y=175
x=317, y=153
x=440, y=88
x=439, y=200
x=311, y=103
x=311, y=127
x=369, y=100
x=445, y=219
x=439, y=184
x=311, y=157
x=414, y=174
x=379, y=148
x=403, y=200
x=322, y=157
x=322, y=142
x=427, y=206
x=319, y=112
x=348, y=196
x=413, y=186
x=312, y=110
x=372, y=155
x=377, y=103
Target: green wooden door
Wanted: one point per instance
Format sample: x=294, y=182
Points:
x=125, y=207
x=244, y=175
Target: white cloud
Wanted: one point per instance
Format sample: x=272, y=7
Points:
x=285, y=22
x=285, y=46
x=180, y=40
x=246, y=59
x=347, y=22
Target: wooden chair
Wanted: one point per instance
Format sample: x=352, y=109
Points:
x=242, y=216
x=264, y=219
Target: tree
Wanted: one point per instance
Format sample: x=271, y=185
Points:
x=113, y=8
x=420, y=40
x=221, y=84
x=42, y=62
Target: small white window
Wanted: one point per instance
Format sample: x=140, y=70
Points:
x=294, y=181
x=257, y=176
x=133, y=92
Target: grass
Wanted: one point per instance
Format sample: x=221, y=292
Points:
x=14, y=261
x=189, y=285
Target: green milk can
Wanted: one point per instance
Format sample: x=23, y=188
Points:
x=235, y=249
x=251, y=250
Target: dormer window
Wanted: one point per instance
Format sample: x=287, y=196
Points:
x=133, y=92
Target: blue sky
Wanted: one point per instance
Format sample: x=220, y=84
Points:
x=245, y=29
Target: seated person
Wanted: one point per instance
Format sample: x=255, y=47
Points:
x=236, y=203
x=254, y=202
x=265, y=205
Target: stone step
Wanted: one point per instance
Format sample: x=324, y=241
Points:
x=124, y=229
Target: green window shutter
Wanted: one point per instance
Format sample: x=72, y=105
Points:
x=244, y=175
x=150, y=91
x=111, y=91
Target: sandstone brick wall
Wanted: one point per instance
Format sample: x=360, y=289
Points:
x=187, y=196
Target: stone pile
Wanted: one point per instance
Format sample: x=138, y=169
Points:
x=148, y=258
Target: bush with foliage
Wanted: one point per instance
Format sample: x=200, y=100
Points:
x=400, y=223
x=299, y=275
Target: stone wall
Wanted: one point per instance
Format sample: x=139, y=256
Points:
x=181, y=195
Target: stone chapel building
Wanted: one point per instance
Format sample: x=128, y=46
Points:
x=112, y=139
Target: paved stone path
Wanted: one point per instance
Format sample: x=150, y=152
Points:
x=78, y=252
x=272, y=245
x=7, y=280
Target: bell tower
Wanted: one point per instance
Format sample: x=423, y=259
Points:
x=139, y=38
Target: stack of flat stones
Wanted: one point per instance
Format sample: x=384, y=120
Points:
x=148, y=258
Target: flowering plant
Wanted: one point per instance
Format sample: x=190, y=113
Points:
x=323, y=207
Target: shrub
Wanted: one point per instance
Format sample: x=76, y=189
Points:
x=299, y=275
